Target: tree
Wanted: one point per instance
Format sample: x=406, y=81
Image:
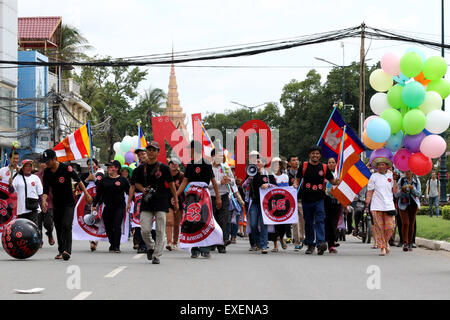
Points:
x=151, y=104
x=111, y=92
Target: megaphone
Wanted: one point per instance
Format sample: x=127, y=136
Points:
x=252, y=170
x=89, y=219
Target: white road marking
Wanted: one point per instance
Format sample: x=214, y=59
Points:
x=82, y=295
x=138, y=256
x=115, y=272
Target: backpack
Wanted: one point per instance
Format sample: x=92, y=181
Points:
x=305, y=166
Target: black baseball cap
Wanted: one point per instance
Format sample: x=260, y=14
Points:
x=114, y=163
x=153, y=144
x=137, y=150
x=47, y=155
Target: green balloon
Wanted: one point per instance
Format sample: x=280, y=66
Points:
x=394, y=97
x=414, y=122
x=120, y=158
x=435, y=68
x=413, y=94
x=411, y=64
x=394, y=118
x=441, y=86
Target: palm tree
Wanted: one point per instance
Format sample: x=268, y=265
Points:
x=151, y=104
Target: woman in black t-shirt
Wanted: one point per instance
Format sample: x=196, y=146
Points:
x=111, y=191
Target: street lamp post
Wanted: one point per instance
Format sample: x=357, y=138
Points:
x=250, y=108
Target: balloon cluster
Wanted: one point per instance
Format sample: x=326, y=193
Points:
x=125, y=151
x=408, y=117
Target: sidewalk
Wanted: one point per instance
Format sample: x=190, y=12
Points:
x=430, y=244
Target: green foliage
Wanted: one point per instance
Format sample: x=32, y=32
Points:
x=433, y=228
x=445, y=211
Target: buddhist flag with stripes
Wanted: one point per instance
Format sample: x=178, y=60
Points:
x=76, y=146
x=356, y=178
x=142, y=143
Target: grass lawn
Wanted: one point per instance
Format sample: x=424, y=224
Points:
x=433, y=228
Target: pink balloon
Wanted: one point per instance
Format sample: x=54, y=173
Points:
x=401, y=159
x=390, y=63
x=433, y=146
x=368, y=120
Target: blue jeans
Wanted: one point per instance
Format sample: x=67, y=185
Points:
x=260, y=238
x=231, y=227
x=434, y=201
x=314, y=215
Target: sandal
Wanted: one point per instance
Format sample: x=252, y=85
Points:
x=59, y=256
x=284, y=246
x=383, y=252
x=93, y=246
x=51, y=241
x=65, y=256
x=275, y=250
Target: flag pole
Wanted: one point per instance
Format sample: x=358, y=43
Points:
x=139, y=140
x=90, y=145
x=323, y=132
x=341, y=156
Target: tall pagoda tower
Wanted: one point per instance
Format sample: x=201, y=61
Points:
x=173, y=108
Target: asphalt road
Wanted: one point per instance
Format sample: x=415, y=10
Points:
x=356, y=272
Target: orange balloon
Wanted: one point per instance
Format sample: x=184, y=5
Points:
x=421, y=78
x=370, y=144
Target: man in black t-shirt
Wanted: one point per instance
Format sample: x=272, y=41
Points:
x=311, y=175
x=199, y=171
x=155, y=181
x=58, y=177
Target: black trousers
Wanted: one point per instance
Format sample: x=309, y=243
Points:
x=32, y=216
x=46, y=219
x=112, y=218
x=63, y=219
x=221, y=215
x=332, y=210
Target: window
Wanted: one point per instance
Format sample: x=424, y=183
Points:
x=7, y=109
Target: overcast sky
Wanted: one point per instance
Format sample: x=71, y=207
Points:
x=139, y=27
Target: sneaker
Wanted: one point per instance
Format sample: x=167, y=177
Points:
x=155, y=260
x=194, y=254
x=206, y=254
x=333, y=250
x=410, y=248
x=150, y=254
x=405, y=247
x=227, y=242
x=298, y=247
x=413, y=246
x=310, y=250
x=117, y=250
x=321, y=248
x=111, y=249
x=264, y=251
x=240, y=234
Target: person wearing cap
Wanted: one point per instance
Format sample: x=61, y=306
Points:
x=155, y=182
x=380, y=196
x=311, y=178
x=298, y=228
x=138, y=241
x=126, y=172
x=28, y=186
x=111, y=192
x=174, y=216
x=199, y=171
x=58, y=177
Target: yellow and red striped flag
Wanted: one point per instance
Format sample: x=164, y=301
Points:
x=75, y=146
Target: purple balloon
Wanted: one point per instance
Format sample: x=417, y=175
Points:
x=412, y=143
x=129, y=157
x=381, y=155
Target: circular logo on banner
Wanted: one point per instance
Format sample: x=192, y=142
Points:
x=197, y=223
x=61, y=180
x=279, y=205
x=198, y=169
x=93, y=230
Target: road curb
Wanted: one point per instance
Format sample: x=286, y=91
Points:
x=431, y=244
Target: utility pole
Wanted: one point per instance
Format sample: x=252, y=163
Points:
x=362, y=76
x=443, y=162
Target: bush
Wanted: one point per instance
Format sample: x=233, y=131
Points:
x=423, y=211
x=445, y=210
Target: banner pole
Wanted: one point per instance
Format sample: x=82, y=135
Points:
x=341, y=160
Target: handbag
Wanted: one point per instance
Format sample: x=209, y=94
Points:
x=30, y=203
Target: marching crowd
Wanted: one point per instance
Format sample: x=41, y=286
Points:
x=45, y=195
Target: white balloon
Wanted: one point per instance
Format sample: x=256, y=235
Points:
x=433, y=101
x=379, y=103
x=116, y=147
x=437, y=121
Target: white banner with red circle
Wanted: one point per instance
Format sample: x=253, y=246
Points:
x=279, y=205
